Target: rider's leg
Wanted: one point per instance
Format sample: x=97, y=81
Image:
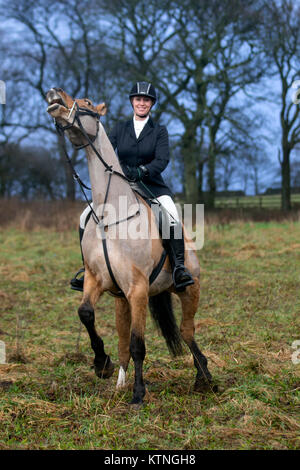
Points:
x=174, y=240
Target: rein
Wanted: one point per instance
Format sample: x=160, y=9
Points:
x=108, y=168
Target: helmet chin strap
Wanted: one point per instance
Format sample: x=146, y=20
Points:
x=142, y=116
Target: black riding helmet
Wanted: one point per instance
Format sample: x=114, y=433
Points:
x=143, y=89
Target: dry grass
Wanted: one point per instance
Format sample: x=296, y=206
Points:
x=63, y=215
x=36, y=215
x=247, y=320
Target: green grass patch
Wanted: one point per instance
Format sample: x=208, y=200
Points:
x=247, y=320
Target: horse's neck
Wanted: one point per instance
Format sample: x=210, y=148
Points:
x=99, y=177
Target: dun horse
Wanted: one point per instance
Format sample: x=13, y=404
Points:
x=126, y=262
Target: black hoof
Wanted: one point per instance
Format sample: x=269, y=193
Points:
x=204, y=386
x=106, y=371
x=136, y=404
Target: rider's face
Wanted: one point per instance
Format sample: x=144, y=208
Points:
x=141, y=106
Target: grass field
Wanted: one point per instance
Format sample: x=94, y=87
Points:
x=247, y=320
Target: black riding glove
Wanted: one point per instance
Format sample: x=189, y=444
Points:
x=136, y=174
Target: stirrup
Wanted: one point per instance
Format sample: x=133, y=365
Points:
x=77, y=284
x=187, y=281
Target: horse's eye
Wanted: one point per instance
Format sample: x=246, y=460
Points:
x=88, y=102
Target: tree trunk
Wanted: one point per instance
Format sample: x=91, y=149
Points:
x=70, y=184
x=190, y=178
x=256, y=181
x=211, y=178
x=200, y=182
x=285, y=180
x=190, y=168
x=69, y=180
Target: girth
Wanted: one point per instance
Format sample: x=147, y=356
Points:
x=152, y=277
x=157, y=269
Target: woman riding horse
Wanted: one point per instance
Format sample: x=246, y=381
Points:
x=125, y=264
x=143, y=150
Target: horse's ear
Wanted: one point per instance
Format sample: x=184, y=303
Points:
x=101, y=109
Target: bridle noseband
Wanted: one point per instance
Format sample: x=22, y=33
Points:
x=79, y=112
x=90, y=141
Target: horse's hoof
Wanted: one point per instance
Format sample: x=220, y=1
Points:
x=106, y=371
x=204, y=386
x=134, y=405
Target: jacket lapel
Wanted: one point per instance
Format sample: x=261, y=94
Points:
x=131, y=129
x=147, y=129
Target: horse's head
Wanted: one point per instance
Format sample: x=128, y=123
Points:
x=71, y=114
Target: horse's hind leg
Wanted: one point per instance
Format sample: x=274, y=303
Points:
x=189, y=301
x=92, y=291
x=138, y=300
x=123, y=322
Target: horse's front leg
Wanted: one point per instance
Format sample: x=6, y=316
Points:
x=91, y=292
x=138, y=301
x=123, y=323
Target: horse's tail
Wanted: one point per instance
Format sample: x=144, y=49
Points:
x=162, y=313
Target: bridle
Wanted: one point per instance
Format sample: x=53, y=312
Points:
x=108, y=168
x=78, y=112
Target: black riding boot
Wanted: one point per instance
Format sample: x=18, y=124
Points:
x=77, y=284
x=175, y=248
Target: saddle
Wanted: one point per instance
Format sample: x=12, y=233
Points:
x=161, y=218
x=160, y=213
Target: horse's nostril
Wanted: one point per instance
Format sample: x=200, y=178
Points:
x=50, y=95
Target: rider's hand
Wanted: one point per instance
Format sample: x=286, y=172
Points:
x=136, y=174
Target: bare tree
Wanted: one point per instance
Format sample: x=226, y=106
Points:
x=280, y=35
x=199, y=55
x=223, y=55
x=30, y=172
x=57, y=49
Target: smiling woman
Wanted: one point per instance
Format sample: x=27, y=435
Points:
x=141, y=106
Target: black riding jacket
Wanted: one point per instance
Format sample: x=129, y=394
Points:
x=151, y=149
